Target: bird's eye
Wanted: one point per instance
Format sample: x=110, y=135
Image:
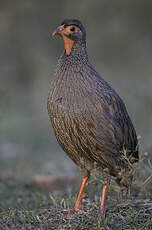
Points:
x=72, y=29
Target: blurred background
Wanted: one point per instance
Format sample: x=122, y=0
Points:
x=119, y=40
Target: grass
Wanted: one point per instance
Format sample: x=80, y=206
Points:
x=38, y=204
x=25, y=206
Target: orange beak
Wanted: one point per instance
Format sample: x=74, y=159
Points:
x=58, y=30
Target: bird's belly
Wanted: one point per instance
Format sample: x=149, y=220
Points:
x=86, y=138
x=70, y=132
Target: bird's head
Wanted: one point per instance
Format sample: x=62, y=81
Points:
x=72, y=31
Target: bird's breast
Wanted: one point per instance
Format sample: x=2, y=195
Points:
x=70, y=93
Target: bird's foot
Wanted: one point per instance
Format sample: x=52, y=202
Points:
x=102, y=211
x=78, y=208
x=71, y=211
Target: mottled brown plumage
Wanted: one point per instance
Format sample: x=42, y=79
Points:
x=89, y=119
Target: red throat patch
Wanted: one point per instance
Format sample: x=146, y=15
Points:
x=68, y=44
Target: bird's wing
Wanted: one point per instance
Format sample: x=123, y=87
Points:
x=106, y=123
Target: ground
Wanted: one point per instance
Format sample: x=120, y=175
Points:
x=33, y=206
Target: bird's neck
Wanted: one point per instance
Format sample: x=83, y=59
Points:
x=79, y=49
x=76, y=58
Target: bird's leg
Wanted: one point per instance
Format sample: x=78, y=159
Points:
x=78, y=204
x=104, y=196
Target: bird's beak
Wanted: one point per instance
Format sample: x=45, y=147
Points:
x=58, y=30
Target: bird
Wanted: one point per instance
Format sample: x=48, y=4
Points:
x=89, y=119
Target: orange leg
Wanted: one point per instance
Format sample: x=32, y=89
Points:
x=78, y=205
x=104, y=196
